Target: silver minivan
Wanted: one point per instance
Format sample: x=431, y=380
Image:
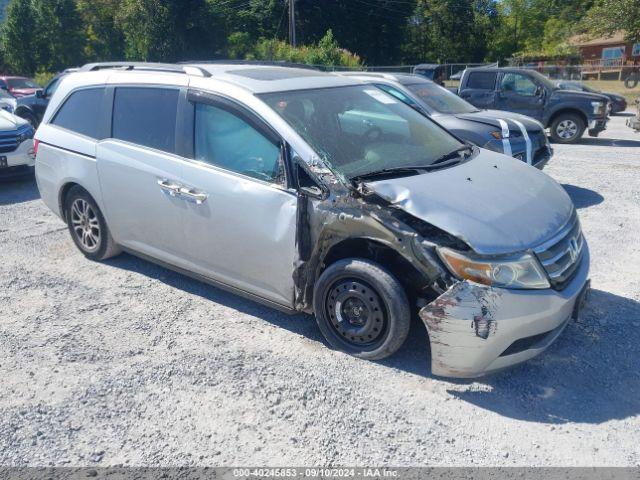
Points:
x=315, y=193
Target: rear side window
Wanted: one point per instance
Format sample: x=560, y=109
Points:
x=82, y=113
x=482, y=80
x=146, y=116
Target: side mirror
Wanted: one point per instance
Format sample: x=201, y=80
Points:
x=539, y=91
x=40, y=94
x=312, y=191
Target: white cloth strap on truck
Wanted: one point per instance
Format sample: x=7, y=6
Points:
x=506, y=144
x=527, y=141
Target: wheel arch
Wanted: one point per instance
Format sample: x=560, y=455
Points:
x=64, y=192
x=569, y=110
x=412, y=280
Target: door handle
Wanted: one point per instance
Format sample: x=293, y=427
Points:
x=168, y=187
x=192, y=195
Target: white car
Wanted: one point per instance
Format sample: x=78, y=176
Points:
x=17, y=155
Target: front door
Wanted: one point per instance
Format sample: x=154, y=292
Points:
x=520, y=94
x=240, y=222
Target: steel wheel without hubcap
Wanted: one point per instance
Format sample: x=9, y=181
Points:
x=356, y=312
x=86, y=225
x=567, y=129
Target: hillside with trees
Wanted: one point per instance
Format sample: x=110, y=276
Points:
x=49, y=35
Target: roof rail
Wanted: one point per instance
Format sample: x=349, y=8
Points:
x=267, y=63
x=146, y=66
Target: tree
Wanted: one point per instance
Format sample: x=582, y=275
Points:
x=59, y=38
x=450, y=30
x=104, y=39
x=18, y=37
x=608, y=16
x=168, y=30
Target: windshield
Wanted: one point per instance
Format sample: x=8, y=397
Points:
x=360, y=130
x=543, y=80
x=440, y=99
x=22, y=83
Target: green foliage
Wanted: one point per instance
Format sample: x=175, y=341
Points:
x=18, y=39
x=104, y=38
x=609, y=16
x=326, y=52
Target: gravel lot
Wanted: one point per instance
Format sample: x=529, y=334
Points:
x=128, y=363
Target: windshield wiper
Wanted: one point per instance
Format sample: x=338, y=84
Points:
x=410, y=170
x=440, y=162
x=454, y=155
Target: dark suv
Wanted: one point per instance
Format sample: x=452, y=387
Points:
x=566, y=113
x=32, y=107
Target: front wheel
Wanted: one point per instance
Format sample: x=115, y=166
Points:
x=567, y=128
x=632, y=80
x=361, y=309
x=88, y=227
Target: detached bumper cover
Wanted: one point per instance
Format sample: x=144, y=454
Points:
x=475, y=330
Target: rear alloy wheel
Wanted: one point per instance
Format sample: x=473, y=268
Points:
x=362, y=309
x=87, y=226
x=567, y=128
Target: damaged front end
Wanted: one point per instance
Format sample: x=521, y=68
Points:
x=476, y=329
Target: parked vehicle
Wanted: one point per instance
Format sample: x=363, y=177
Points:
x=18, y=86
x=431, y=71
x=504, y=132
x=271, y=182
x=634, y=122
x=567, y=114
x=32, y=107
x=617, y=102
x=17, y=155
x=7, y=101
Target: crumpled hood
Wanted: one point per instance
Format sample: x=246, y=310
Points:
x=493, y=203
x=9, y=121
x=492, y=117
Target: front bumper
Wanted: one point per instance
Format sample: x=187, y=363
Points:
x=540, y=154
x=597, y=125
x=475, y=330
x=21, y=156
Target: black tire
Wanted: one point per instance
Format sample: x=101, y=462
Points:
x=632, y=80
x=29, y=117
x=567, y=128
x=85, y=221
x=371, y=303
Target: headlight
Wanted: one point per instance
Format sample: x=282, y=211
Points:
x=598, y=107
x=521, y=271
x=8, y=108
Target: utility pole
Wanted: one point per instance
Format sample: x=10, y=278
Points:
x=292, y=22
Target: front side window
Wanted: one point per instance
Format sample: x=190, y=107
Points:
x=228, y=141
x=51, y=88
x=440, y=99
x=361, y=129
x=82, y=113
x=518, y=84
x=146, y=116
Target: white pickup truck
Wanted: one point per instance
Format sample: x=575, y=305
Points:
x=17, y=155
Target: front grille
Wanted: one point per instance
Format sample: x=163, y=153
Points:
x=9, y=141
x=561, y=256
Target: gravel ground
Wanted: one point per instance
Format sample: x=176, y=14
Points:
x=128, y=363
